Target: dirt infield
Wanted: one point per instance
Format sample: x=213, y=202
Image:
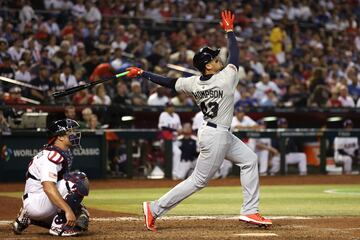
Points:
x=108, y=225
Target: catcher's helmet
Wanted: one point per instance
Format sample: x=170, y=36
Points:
x=61, y=127
x=204, y=56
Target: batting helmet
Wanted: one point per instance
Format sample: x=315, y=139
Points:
x=61, y=127
x=203, y=57
x=282, y=121
x=348, y=123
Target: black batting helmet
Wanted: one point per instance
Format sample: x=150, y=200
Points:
x=61, y=127
x=204, y=56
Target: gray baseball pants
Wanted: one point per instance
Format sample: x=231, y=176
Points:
x=215, y=145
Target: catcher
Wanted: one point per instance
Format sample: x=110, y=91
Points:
x=53, y=195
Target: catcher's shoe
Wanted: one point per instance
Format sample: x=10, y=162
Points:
x=149, y=217
x=256, y=219
x=64, y=231
x=21, y=222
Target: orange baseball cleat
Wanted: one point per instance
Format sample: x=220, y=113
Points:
x=149, y=217
x=256, y=219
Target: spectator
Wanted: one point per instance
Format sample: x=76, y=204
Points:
x=51, y=27
x=344, y=98
x=70, y=112
x=92, y=14
x=83, y=97
x=295, y=96
x=43, y=82
x=277, y=37
x=4, y=125
x=264, y=85
x=91, y=64
x=14, y=96
x=319, y=97
x=27, y=13
x=121, y=96
x=246, y=98
x=136, y=96
x=79, y=10
x=94, y=123
x=5, y=68
x=54, y=4
x=318, y=79
x=67, y=77
x=52, y=47
x=16, y=50
x=23, y=74
x=158, y=98
x=270, y=99
x=86, y=116
x=101, y=98
x=353, y=83
x=3, y=49
x=46, y=61
x=334, y=100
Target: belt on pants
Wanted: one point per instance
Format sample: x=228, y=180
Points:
x=214, y=125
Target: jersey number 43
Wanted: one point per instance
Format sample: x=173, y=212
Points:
x=211, y=110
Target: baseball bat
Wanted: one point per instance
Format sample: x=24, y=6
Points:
x=87, y=85
x=182, y=69
x=16, y=82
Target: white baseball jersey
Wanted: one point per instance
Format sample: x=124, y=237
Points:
x=169, y=121
x=215, y=96
x=45, y=166
x=348, y=144
x=245, y=122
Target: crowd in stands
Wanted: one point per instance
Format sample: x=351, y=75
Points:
x=294, y=53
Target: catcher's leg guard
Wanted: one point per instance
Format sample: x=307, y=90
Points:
x=58, y=227
x=21, y=222
x=73, y=199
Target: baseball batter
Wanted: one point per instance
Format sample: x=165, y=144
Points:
x=53, y=195
x=214, y=94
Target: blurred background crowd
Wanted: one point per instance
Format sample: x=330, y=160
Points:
x=294, y=53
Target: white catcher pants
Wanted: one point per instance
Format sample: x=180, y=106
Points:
x=38, y=205
x=215, y=145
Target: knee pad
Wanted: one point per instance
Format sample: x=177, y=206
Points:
x=73, y=199
x=82, y=222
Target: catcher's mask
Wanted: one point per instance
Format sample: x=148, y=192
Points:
x=63, y=127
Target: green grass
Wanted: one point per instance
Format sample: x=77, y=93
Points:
x=301, y=200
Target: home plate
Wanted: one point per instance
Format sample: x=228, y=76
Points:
x=256, y=234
